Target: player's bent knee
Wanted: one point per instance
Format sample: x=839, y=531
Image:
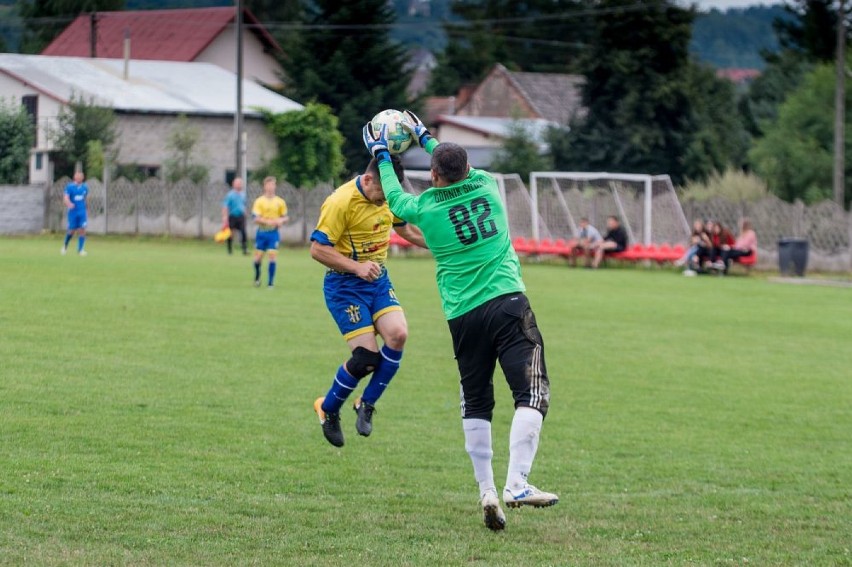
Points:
x=363, y=362
x=396, y=337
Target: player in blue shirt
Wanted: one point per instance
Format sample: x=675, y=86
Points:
x=234, y=213
x=75, y=201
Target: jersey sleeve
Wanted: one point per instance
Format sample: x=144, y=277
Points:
x=256, y=209
x=283, y=208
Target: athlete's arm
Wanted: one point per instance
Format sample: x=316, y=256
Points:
x=331, y=258
x=67, y=200
x=412, y=234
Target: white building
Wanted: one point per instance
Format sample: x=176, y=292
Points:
x=147, y=101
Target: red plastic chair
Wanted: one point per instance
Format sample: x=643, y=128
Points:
x=547, y=247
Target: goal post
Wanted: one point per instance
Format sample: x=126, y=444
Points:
x=647, y=205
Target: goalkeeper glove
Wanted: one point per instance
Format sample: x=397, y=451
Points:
x=376, y=142
x=417, y=129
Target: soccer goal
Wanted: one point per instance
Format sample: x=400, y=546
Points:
x=647, y=205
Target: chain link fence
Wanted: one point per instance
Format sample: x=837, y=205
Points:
x=183, y=209
x=155, y=207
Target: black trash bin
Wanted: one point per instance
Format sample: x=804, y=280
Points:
x=792, y=256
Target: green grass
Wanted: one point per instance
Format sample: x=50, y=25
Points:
x=155, y=409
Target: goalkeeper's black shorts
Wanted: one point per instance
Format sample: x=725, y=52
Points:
x=502, y=329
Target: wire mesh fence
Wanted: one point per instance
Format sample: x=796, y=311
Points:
x=184, y=209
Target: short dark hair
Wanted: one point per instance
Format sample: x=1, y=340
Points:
x=615, y=218
x=449, y=162
x=373, y=168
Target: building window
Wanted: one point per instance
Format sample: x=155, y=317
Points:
x=39, y=161
x=30, y=103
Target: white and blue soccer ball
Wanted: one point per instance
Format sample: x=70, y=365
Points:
x=399, y=138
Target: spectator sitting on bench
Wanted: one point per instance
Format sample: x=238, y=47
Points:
x=721, y=238
x=614, y=241
x=699, y=237
x=745, y=245
x=587, y=238
x=706, y=251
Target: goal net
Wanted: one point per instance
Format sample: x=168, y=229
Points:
x=647, y=205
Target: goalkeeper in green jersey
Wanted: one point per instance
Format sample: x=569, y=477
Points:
x=464, y=224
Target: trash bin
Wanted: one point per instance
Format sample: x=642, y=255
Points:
x=792, y=256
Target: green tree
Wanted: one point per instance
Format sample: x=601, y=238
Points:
x=520, y=153
x=650, y=109
x=16, y=139
x=45, y=19
x=810, y=29
x=345, y=59
x=183, y=141
x=535, y=36
x=309, y=148
x=783, y=73
x=795, y=156
x=80, y=122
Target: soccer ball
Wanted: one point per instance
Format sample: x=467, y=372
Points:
x=398, y=137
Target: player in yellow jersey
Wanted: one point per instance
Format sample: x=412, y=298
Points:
x=351, y=240
x=269, y=212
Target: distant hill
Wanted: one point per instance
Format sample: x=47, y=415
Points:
x=735, y=38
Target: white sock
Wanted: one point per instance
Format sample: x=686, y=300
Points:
x=477, y=443
x=523, y=444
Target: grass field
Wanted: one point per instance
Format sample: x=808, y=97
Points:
x=155, y=409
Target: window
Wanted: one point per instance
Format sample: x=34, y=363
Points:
x=39, y=161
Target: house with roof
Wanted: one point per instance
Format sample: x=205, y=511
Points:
x=203, y=35
x=147, y=97
x=481, y=117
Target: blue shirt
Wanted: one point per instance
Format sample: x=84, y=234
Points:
x=77, y=194
x=236, y=203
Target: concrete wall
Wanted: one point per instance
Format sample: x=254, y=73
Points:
x=21, y=209
x=144, y=139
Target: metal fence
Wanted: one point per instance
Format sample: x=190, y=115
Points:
x=188, y=210
x=176, y=209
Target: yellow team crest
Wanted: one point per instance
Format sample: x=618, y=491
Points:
x=354, y=312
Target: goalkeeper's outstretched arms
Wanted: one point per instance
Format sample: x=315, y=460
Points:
x=419, y=132
x=401, y=203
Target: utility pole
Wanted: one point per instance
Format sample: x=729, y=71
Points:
x=840, y=107
x=239, y=166
x=93, y=35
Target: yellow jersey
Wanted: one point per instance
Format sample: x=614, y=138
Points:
x=268, y=208
x=356, y=227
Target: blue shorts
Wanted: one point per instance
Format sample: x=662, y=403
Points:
x=266, y=240
x=355, y=304
x=77, y=219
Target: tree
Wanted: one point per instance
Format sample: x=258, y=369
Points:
x=783, y=73
x=80, y=122
x=520, y=153
x=650, y=109
x=45, y=19
x=795, y=156
x=345, y=59
x=16, y=139
x=536, y=36
x=811, y=28
x=309, y=148
x=183, y=141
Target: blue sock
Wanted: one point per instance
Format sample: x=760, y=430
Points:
x=81, y=241
x=68, y=236
x=272, y=266
x=257, y=271
x=342, y=386
x=382, y=375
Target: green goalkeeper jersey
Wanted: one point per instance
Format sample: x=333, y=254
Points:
x=465, y=227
